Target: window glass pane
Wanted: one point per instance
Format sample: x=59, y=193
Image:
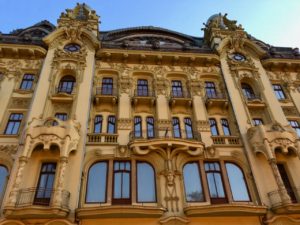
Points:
x=145, y=183
x=257, y=121
x=188, y=128
x=213, y=127
x=107, y=86
x=176, y=128
x=125, y=185
x=3, y=178
x=237, y=183
x=96, y=189
x=219, y=185
x=137, y=126
x=117, y=185
x=225, y=127
x=177, y=88
x=211, y=184
x=150, y=127
x=66, y=84
x=210, y=89
x=111, y=125
x=13, y=123
x=248, y=91
x=294, y=124
x=142, y=88
x=98, y=124
x=192, y=183
x=278, y=91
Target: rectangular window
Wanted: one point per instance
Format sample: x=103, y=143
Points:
x=150, y=127
x=210, y=89
x=296, y=126
x=107, y=86
x=13, y=124
x=45, y=185
x=122, y=180
x=111, y=125
x=257, y=121
x=279, y=92
x=98, y=124
x=137, y=126
x=60, y=116
x=286, y=182
x=176, y=128
x=225, y=127
x=142, y=87
x=177, y=90
x=27, y=82
x=215, y=182
x=213, y=127
x=188, y=128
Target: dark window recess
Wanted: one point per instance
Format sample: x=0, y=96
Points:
x=279, y=92
x=248, y=91
x=111, y=125
x=210, y=89
x=225, y=126
x=177, y=90
x=66, y=84
x=44, y=189
x=176, y=128
x=286, y=182
x=122, y=183
x=150, y=127
x=213, y=127
x=137, y=126
x=13, y=124
x=98, y=124
x=142, y=88
x=60, y=116
x=27, y=82
x=107, y=86
x=215, y=183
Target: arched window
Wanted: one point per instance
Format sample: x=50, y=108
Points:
x=176, y=128
x=66, y=84
x=192, y=183
x=111, y=125
x=213, y=127
x=188, y=128
x=248, y=91
x=237, y=183
x=3, y=179
x=150, y=127
x=98, y=124
x=96, y=185
x=225, y=127
x=137, y=126
x=146, y=191
x=142, y=87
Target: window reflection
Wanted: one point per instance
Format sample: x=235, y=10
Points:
x=192, y=183
x=3, y=179
x=122, y=187
x=96, y=187
x=145, y=183
x=237, y=183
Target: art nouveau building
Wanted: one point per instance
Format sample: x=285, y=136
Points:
x=147, y=126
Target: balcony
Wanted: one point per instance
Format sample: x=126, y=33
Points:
x=254, y=100
x=106, y=95
x=231, y=209
x=39, y=203
x=226, y=140
x=143, y=97
x=62, y=94
x=285, y=200
x=191, y=141
x=102, y=138
x=217, y=99
x=180, y=98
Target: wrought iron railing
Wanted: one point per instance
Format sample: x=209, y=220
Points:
x=41, y=196
x=223, y=140
x=106, y=91
x=282, y=196
x=180, y=94
x=143, y=93
x=102, y=138
x=164, y=134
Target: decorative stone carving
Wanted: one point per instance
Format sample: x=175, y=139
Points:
x=124, y=124
x=203, y=125
x=19, y=103
x=164, y=124
x=9, y=149
x=125, y=84
x=161, y=85
x=195, y=87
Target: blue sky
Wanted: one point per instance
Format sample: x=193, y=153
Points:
x=273, y=21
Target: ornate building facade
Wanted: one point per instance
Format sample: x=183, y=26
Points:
x=147, y=126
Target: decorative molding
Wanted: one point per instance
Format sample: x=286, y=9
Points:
x=124, y=124
x=9, y=149
x=203, y=125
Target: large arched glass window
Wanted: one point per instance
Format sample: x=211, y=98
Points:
x=237, y=183
x=146, y=191
x=96, y=185
x=66, y=84
x=3, y=179
x=192, y=183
